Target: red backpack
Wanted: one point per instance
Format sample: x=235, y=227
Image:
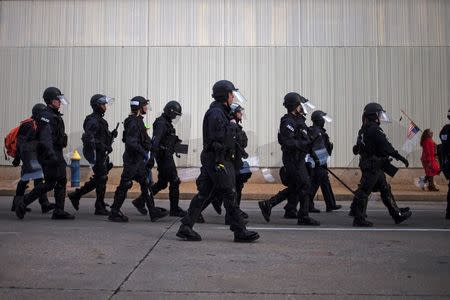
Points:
x=11, y=139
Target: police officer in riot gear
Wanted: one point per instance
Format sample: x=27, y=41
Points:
x=52, y=139
x=444, y=157
x=243, y=174
x=217, y=171
x=164, y=144
x=97, y=145
x=26, y=152
x=136, y=156
x=295, y=145
x=319, y=176
x=375, y=150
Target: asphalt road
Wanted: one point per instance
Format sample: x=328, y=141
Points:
x=90, y=258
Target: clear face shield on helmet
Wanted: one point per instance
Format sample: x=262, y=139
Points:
x=384, y=117
x=307, y=107
x=327, y=118
x=106, y=100
x=177, y=119
x=63, y=100
x=239, y=98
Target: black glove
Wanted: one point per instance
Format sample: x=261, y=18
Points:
x=355, y=150
x=114, y=133
x=16, y=162
x=404, y=161
x=220, y=168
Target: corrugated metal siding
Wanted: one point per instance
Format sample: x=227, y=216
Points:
x=340, y=54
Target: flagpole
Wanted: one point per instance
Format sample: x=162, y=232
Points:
x=403, y=112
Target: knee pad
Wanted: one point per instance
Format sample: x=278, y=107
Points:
x=175, y=181
x=126, y=184
x=61, y=183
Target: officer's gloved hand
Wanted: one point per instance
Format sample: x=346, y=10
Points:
x=404, y=161
x=220, y=168
x=355, y=150
x=16, y=162
x=114, y=133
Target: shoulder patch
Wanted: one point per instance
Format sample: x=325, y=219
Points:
x=443, y=137
x=290, y=127
x=45, y=120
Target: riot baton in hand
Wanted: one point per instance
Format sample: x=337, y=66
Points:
x=338, y=179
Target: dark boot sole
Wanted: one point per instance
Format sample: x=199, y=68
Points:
x=266, y=216
x=63, y=218
x=188, y=238
x=249, y=240
x=118, y=220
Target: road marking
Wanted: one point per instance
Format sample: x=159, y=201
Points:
x=346, y=210
x=345, y=229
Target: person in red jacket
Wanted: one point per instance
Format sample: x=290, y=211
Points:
x=428, y=158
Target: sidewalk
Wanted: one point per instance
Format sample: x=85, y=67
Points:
x=257, y=188
x=259, y=191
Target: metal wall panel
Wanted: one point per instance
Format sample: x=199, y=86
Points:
x=225, y=23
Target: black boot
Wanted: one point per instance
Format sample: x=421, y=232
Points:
x=100, y=209
x=46, y=207
x=75, y=197
x=245, y=236
x=200, y=219
x=401, y=216
x=62, y=215
x=307, y=221
x=117, y=216
x=154, y=212
x=140, y=205
x=336, y=207
x=13, y=207
x=266, y=209
x=290, y=214
x=314, y=210
x=20, y=207
x=100, y=205
x=243, y=214
x=188, y=234
x=177, y=212
x=358, y=222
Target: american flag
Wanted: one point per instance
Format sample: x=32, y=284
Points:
x=412, y=130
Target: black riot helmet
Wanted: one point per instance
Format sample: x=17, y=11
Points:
x=317, y=118
x=375, y=112
x=98, y=100
x=292, y=100
x=37, y=110
x=221, y=89
x=50, y=94
x=172, y=109
x=138, y=102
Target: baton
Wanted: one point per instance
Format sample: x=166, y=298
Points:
x=340, y=180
